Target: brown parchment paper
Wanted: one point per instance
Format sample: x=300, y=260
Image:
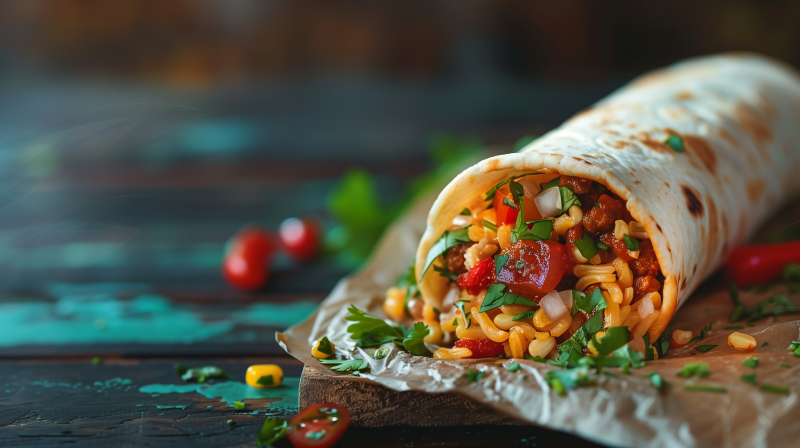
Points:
x=621, y=410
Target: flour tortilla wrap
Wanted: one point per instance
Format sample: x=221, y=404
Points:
x=738, y=117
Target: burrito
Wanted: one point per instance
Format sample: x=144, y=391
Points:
x=592, y=236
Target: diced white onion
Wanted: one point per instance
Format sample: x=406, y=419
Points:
x=553, y=307
x=646, y=308
x=566, y=297
x=549, y=202
x=531, y=189
x=461, y=221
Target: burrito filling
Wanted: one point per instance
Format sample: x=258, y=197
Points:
x=545, y=266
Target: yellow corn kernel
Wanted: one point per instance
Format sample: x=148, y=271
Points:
x=515, y=343
x=504, y=236
x=394, y=305
x=637, y=230
x=452, y=353
x=541, y=347
x=591, y=346
x=525, y=329
x=320, y=354
x=429, y=313
x=561, y=326
x=681, y=337
x=540, y=320
x=741, y=341
x=448, y=322
x=476, y=233
x=542, y=335
x=264, y=375
x=488, y=327
x=435, y=335
x=621, y=229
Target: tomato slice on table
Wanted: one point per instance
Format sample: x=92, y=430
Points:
x=481, y=348
x=534, y=268
x=318, y=426
x=761, y=263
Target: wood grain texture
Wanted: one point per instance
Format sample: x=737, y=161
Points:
x=376, y=406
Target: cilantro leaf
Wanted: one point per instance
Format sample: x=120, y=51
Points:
x=271, y=431
x=631, y=243
x=465, y=212
x=493, y=190
x=238, y=405
x=497, y=296
x=499, y=262
x=551, y=184
x=751, y=362
x=541, y=230
x=200, y=374
x=585, y=245
x=346, y=365
x=659, y=382
x=568, y=199
x=413, y=341
x=582, y=302
x=513, y=367
x=325, y=346
x=634, y=359
x=662, y=343
x=705, y=348
x=369, y=331
x=795, y=345
x=675, y=142
x=561, y=380
x=266, y=381
x=614, y=339
x=448, y=240
x=695, y=369
x=443, y=272
x=749, y=378
x=473, y=376
x=526, y=315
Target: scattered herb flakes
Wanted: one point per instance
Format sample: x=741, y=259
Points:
x=774, y=389
x=444, y=272
x=561, y=380
x=513, y=367
x=491, y=192
x=751, y=362
x=524, y=377
x=785, y=366
x=631, y=243
x=601, y=245
x=675, y=142
x=696, y=388
x=614, y=338
x=734, y=327
x=586, y=246
x=535, y=358
x=662, y=343
x=497, y=296
x=750, y=378
x=448, y=240
x=705, y=348
x=695, y=369
x=200, y=374
x=473, y=376
x=382, y=352
x=239, y=405
x=346, y=365
x=325, y=346
x=97, y=360
x=230, y=422
x=271, y=431
x=465, y=212
x=702, y=335
x=526, y=315
x=499, y=262
x=659, y=382
x=795, y=345
x=490, y=226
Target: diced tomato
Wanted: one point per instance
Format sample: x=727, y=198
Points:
x=534, y=268
x=618, y=246
x=481, y=348
x=761, y=263
x=508, y=215
x=478, y=278
x=318, y=426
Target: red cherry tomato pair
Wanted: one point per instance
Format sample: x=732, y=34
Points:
x=318, y=426
x=761, y=263
x=247, y=261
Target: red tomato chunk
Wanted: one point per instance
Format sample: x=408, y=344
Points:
x=534, y=268
x=481, y=348
x=478, y=278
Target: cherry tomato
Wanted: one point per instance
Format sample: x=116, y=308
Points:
x=761, y=263
x=318, y=426
x=300, y=238
x=245, y=272
x=534, y=268
x=253, y=242
x=478, y=278
x=508, y=215
x=481, y=348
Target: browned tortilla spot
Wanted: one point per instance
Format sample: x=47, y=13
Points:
x=667, y=184
x=728, y=137
x=658, y=226
x=699, y=147
x=694, y=270
x=755, y=189
x=619, y=144
x=684, y=95
x=656, y=145
x=750, y=121
x=610, y=131
x=491, y=164
x=692, y=201
x=637, y=182
x=713, y=224
x=683, y=283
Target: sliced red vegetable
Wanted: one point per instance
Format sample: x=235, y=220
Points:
x=508, y=215
x=300, y=238
x=318, y=426
x=534, y=268
x=479, y=277
x=761, y=263
x=481, y=348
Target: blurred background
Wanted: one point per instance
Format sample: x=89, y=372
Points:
x=137, y=136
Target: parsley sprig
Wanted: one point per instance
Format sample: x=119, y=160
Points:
x=448, y=240
x=369, y=331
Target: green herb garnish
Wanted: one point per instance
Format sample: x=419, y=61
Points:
x=705, y=348
x=695, y=369
x=465, y=212
x=675, y=142
x=734, y=327
x=795, y=345
x=447, y=241
x=631, y=243
x=229, y=422
x=750, y=378
x=499, y=262
x=473, y=376
x=774, y=389
x=238, y=405
x=568, y=199
x=614, y=338
x=509, y=203
x=551, y=184
x=493, y=190
x=497, y=296
x=271, y=431
x=443, y=272
x=369, y=331
x=382, y=352
x=97, y=360
x=715, y=389
x=706, y=328
x=346, y=365
x=785, y=366
x=513, y=367
x=585, y=245
x=657, y=380
x=200, y=374
x=325, y=346
x=526, y=315
x=751, y=363
x=490, y=226
x=561, y=380
x=582, y=302
x=601, y=245
x=266, y=381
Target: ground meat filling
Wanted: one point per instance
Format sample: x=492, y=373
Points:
x=603, y=214
x=576, y=184
x=647, y=263
x=645, y=285
x=455, y=258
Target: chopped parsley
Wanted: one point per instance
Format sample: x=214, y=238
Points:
x=715, y=389
x=795, y=345
x=601, y=246
x=702, y=335
x=631, y=243
x=551, y=184
x=675, y=142
x=568, y=199
x=509, y=203
x=238, y=405
x=526, y=315
x=776, y=305
x=266, y=381
x=695, y=369
x=582, y=302
x=614, y=339
x=513, y=367
x=499, y=262
x=489, y=226
x=346, y=365
x=465, y=212
x=230, y=422
x=473, y=376
x=369, y=331
x=271, y=431
x=444, y=272
x=97, y=360
x=774, y=389
x=751, y=363
x=705, y=348
x=785, y=366
x=750, y=378
x=200, y=374
x=662, y=343
x=561, y=380
x=585, y=245
x=493, y=190
x=325, y=346
x=659, y=382
x=497, y=296
x=448, y=240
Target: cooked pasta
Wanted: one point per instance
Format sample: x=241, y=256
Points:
x=614, y=291
x=504, y=321
x=611, y=316
x=516, y=342
x=488, y=327
x=624, y=311
x=568, y=220
x=541, y=347
x=560, y=327
x=627, y=297
x=590, y=279
x=624, y=274
x=583, y=270
x=528, y=331
x=435, y=335
x=452, y=353
x=476, y=233
x=642, y=327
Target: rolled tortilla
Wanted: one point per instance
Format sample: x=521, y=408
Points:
x=737, y=115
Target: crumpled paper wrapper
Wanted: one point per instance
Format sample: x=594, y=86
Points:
x=620, y=410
